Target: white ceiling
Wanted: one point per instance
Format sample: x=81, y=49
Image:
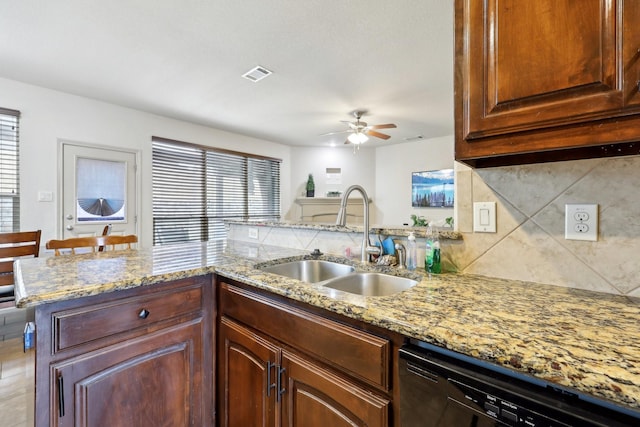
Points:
x=184, y=59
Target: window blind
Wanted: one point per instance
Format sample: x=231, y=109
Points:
x=196, y=188
x=9, y=171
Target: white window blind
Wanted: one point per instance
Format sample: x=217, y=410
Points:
x=196, y=188
x=9, y=171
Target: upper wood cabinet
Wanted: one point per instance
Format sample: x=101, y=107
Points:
x=546, y=80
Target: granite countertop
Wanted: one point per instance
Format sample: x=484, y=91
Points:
x=579, y=339
x=385, y=230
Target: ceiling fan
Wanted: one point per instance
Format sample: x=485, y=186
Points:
x=360, y=131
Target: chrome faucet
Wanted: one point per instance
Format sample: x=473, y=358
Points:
x=367, y=248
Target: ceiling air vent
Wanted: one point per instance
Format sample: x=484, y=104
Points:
x=256, y=74
x=414, y=138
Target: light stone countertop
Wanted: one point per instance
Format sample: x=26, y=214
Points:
x=583, y=340
x=385, y=230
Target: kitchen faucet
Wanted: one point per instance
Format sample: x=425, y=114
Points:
x=367, y=248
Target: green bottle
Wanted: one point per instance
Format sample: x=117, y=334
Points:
x=435, y=264
x=432, y=253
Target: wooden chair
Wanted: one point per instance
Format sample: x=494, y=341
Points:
x=12, y=246
x=105, y=232
x=92, y=242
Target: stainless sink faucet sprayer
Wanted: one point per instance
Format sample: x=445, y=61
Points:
x=367, y=248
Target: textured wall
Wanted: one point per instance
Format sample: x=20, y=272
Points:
x=530, y=244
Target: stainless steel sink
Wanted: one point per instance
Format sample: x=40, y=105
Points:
x=310, y=270
x=371, y=284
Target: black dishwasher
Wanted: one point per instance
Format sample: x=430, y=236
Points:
x=439, y=388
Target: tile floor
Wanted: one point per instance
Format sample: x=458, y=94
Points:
x=17, y=376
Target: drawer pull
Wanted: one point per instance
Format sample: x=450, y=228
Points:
x=60, y=395
x=144, y=313
x=269, y=384
x=280, y=387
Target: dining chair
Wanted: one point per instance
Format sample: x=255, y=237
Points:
x=105, y=232
x=94, y=243
x=13, y=246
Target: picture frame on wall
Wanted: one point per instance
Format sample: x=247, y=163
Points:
x=432, y=189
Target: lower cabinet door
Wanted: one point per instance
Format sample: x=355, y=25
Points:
x=247, y=369
x=315, y=397
x=153, y=380
x=262, y=384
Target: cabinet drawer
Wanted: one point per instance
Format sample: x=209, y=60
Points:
x=77, y=326
x=350, y=350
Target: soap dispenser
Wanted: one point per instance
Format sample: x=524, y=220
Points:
x=411, y=252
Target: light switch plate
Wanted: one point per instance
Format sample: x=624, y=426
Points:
x=484, y=217
x=581, y=222
x=45, y=196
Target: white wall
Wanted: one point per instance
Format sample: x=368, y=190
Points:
x=394, y=165
x=48, y=116
x=384, y=172
x=358, y=168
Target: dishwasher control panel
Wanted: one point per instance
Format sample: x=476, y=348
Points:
x=500, y=409
x=444, y=390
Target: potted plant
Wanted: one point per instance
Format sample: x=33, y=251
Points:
x=311, y=186
x=419, y=221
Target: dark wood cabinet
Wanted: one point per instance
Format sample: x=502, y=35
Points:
x=245, y=374
x=148, y=380
x=276, y=367
x=138, y=357
x=546, y=80
x=315, y=397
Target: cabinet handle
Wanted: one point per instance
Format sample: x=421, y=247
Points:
x=60, y=395
x=144, y=313
x=269, y=384
x=281, y=389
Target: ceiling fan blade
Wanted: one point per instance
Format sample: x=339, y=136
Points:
x=387, y=126
x=336, y=132
x=377, y=134
x=347, y=142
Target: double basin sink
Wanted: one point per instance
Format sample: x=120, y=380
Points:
x=342, y=277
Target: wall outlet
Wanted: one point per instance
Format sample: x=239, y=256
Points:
x=581, y=222
x=253, y=233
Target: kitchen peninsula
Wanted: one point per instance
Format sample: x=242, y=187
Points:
x=583, y=341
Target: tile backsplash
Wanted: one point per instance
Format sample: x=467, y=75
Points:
x=529, y=243
x=304, y=239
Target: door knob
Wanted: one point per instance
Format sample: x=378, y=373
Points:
x=69, y=227
x=69, y=216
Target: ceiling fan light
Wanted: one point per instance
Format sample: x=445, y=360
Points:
x=357, y=138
